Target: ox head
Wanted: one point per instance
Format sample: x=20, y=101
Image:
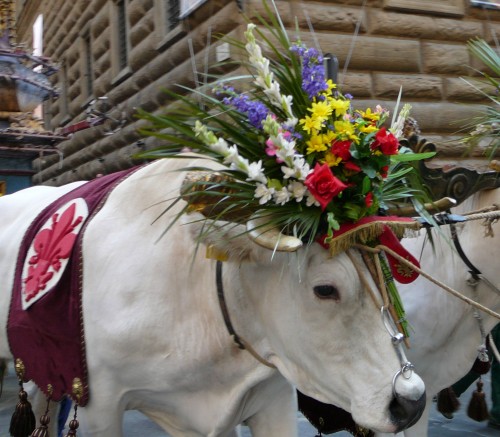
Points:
x=309, y=314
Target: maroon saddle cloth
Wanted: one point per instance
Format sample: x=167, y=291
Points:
x=45, y=325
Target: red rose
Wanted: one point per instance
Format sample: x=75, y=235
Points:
x=349, y=165
x=386, y=142
x=384, y=170
x=323, y=185
x=369, y=199
x=341, y=149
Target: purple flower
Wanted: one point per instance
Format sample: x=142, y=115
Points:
x=255, y=110
x=313, y=71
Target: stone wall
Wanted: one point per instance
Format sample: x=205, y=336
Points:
x=423, y=52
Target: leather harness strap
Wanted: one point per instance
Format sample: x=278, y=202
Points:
x=223, y=306
x=240, y=342
x=473, y=270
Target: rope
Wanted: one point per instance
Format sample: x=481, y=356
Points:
x=362, y=277
x=375, y=270
x=450, y=290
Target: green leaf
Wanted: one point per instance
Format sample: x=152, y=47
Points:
x=407, y=157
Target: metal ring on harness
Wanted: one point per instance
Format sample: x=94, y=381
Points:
x=406, y=372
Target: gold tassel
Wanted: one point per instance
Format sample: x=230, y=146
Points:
x=478, y=410
x=43, y=429
x=447, y=402
x=73, y=425
x=77, y=393
x=23, y=420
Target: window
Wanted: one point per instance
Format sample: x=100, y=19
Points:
x=120, y=44
x=485, y=4
x=168, y=22
x=122, y=35
x=63, y=98
x=188, y=6
x=172, y=10
x=38, y=51
x=88, y=66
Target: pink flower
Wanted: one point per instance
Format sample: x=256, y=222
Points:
x=270, y=148
x=323, y=185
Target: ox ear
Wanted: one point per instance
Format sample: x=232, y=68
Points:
x=224, y=240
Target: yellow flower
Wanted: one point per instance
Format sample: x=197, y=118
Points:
x=345, y=130
x=311, y=124
x=321, y=110
x=316, y=144
x=369, y=115
x=329, y=136
x=331, y=86
x=340, y=106
x=331, y=160
x=368, y=129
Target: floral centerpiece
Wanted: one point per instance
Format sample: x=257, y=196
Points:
x=292, y=146
x=486, y=126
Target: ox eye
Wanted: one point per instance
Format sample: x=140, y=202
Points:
x=326, y=292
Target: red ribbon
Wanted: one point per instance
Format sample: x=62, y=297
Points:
x=401, y=272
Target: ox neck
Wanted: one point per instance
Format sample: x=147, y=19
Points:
x=240, y=342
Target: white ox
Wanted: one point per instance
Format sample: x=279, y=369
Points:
x=156, y=340
x=447, y=336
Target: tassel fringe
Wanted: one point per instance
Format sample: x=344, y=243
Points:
x=73, y=425
x=366, y=232
x=447, y=402
x=42, y=430
x=478, y=410
x=23, y=420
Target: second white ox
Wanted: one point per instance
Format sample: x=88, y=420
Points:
x=446, y=334
x=155, y=336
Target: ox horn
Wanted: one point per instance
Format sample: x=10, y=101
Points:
x=268, y=236
x=432, y=207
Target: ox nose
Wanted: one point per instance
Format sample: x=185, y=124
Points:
x=406, y=412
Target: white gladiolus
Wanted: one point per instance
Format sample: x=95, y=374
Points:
x=297, y=190
x=265, y=78
x=220, y=146
x=264, y=193
x=398, y=126
x=255, y=172
x=310, y=200
x=281, y=196
x=230, y=154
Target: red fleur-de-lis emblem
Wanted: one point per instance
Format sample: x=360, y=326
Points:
x=51, y=249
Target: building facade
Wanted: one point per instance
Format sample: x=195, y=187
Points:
x=128, y=51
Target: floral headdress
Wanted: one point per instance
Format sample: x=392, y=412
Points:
x=292, y=146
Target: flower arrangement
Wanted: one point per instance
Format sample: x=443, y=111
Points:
x=487, y=126
x=292, y=145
